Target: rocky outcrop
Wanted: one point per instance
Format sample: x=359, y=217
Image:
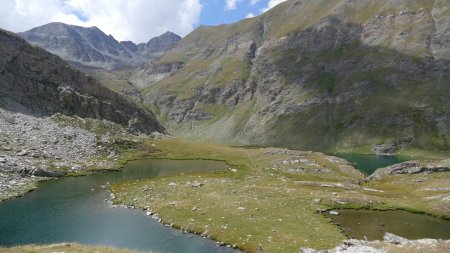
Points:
x=39, y=172
x=158, y=45
x=412, y=167
x=90, y=48
x=390, y=243
x=36, y=82
x=33, y=148
x=151, y=73
x=391, y=148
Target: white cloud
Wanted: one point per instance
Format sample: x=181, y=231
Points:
x=271, y=4
x=250, y=15
x=231, y=4
x=137, y=20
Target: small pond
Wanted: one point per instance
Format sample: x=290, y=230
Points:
x=369, y=163
x=373, y=224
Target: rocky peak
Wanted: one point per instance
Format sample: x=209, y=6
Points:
x=161, y=43
x=36, y=82
x=89, y=47
x=129, y=45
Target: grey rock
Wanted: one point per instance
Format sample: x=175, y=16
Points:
x=77, y=148
x=394, y=239
x=44, y=173
x=196, y=184
x=391, y=148
x=308, y=250
x=384, y=149
x=334, y=213
x=197, y=115
x=23, y=153
x=412, y=167
x=391, y=243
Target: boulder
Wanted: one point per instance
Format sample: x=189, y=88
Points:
x=412, y=167
x=45, y=173
x=394, y=239
x=23, y=153
x=196, y=184
x=334, y=213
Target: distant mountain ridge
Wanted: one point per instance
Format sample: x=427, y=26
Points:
x=90, y=47
x=36, y=82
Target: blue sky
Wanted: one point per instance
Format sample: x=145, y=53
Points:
x=135, y=20
x=214, y=12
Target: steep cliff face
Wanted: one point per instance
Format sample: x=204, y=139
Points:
x=35, y=81
x=312, y=74
x=89, y=47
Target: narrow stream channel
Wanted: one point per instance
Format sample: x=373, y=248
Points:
x=73, y=210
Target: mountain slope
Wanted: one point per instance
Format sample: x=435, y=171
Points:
x=36, y=82
x=328, y=74
x=90, y=47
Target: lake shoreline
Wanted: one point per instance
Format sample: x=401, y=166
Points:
x=236, y=170
x=170, y=208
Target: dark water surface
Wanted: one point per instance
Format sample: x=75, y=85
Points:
x=373, y=224
x=369, y=163
x=73, y=210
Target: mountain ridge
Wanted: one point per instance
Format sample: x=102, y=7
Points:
x=91, y=47
x=36, y=82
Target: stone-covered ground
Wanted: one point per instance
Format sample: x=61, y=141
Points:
x=35, y=148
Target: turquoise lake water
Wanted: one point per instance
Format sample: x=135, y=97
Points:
x=73, y=210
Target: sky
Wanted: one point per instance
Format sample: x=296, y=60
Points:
x=135, y=20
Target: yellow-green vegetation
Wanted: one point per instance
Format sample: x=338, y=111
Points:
x=271, y=197
x=416, y=192
x=117, y=80
x=258, y=204
x=308, y=13
x=63, y=247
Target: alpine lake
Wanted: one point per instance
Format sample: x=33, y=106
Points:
x=76, y=209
